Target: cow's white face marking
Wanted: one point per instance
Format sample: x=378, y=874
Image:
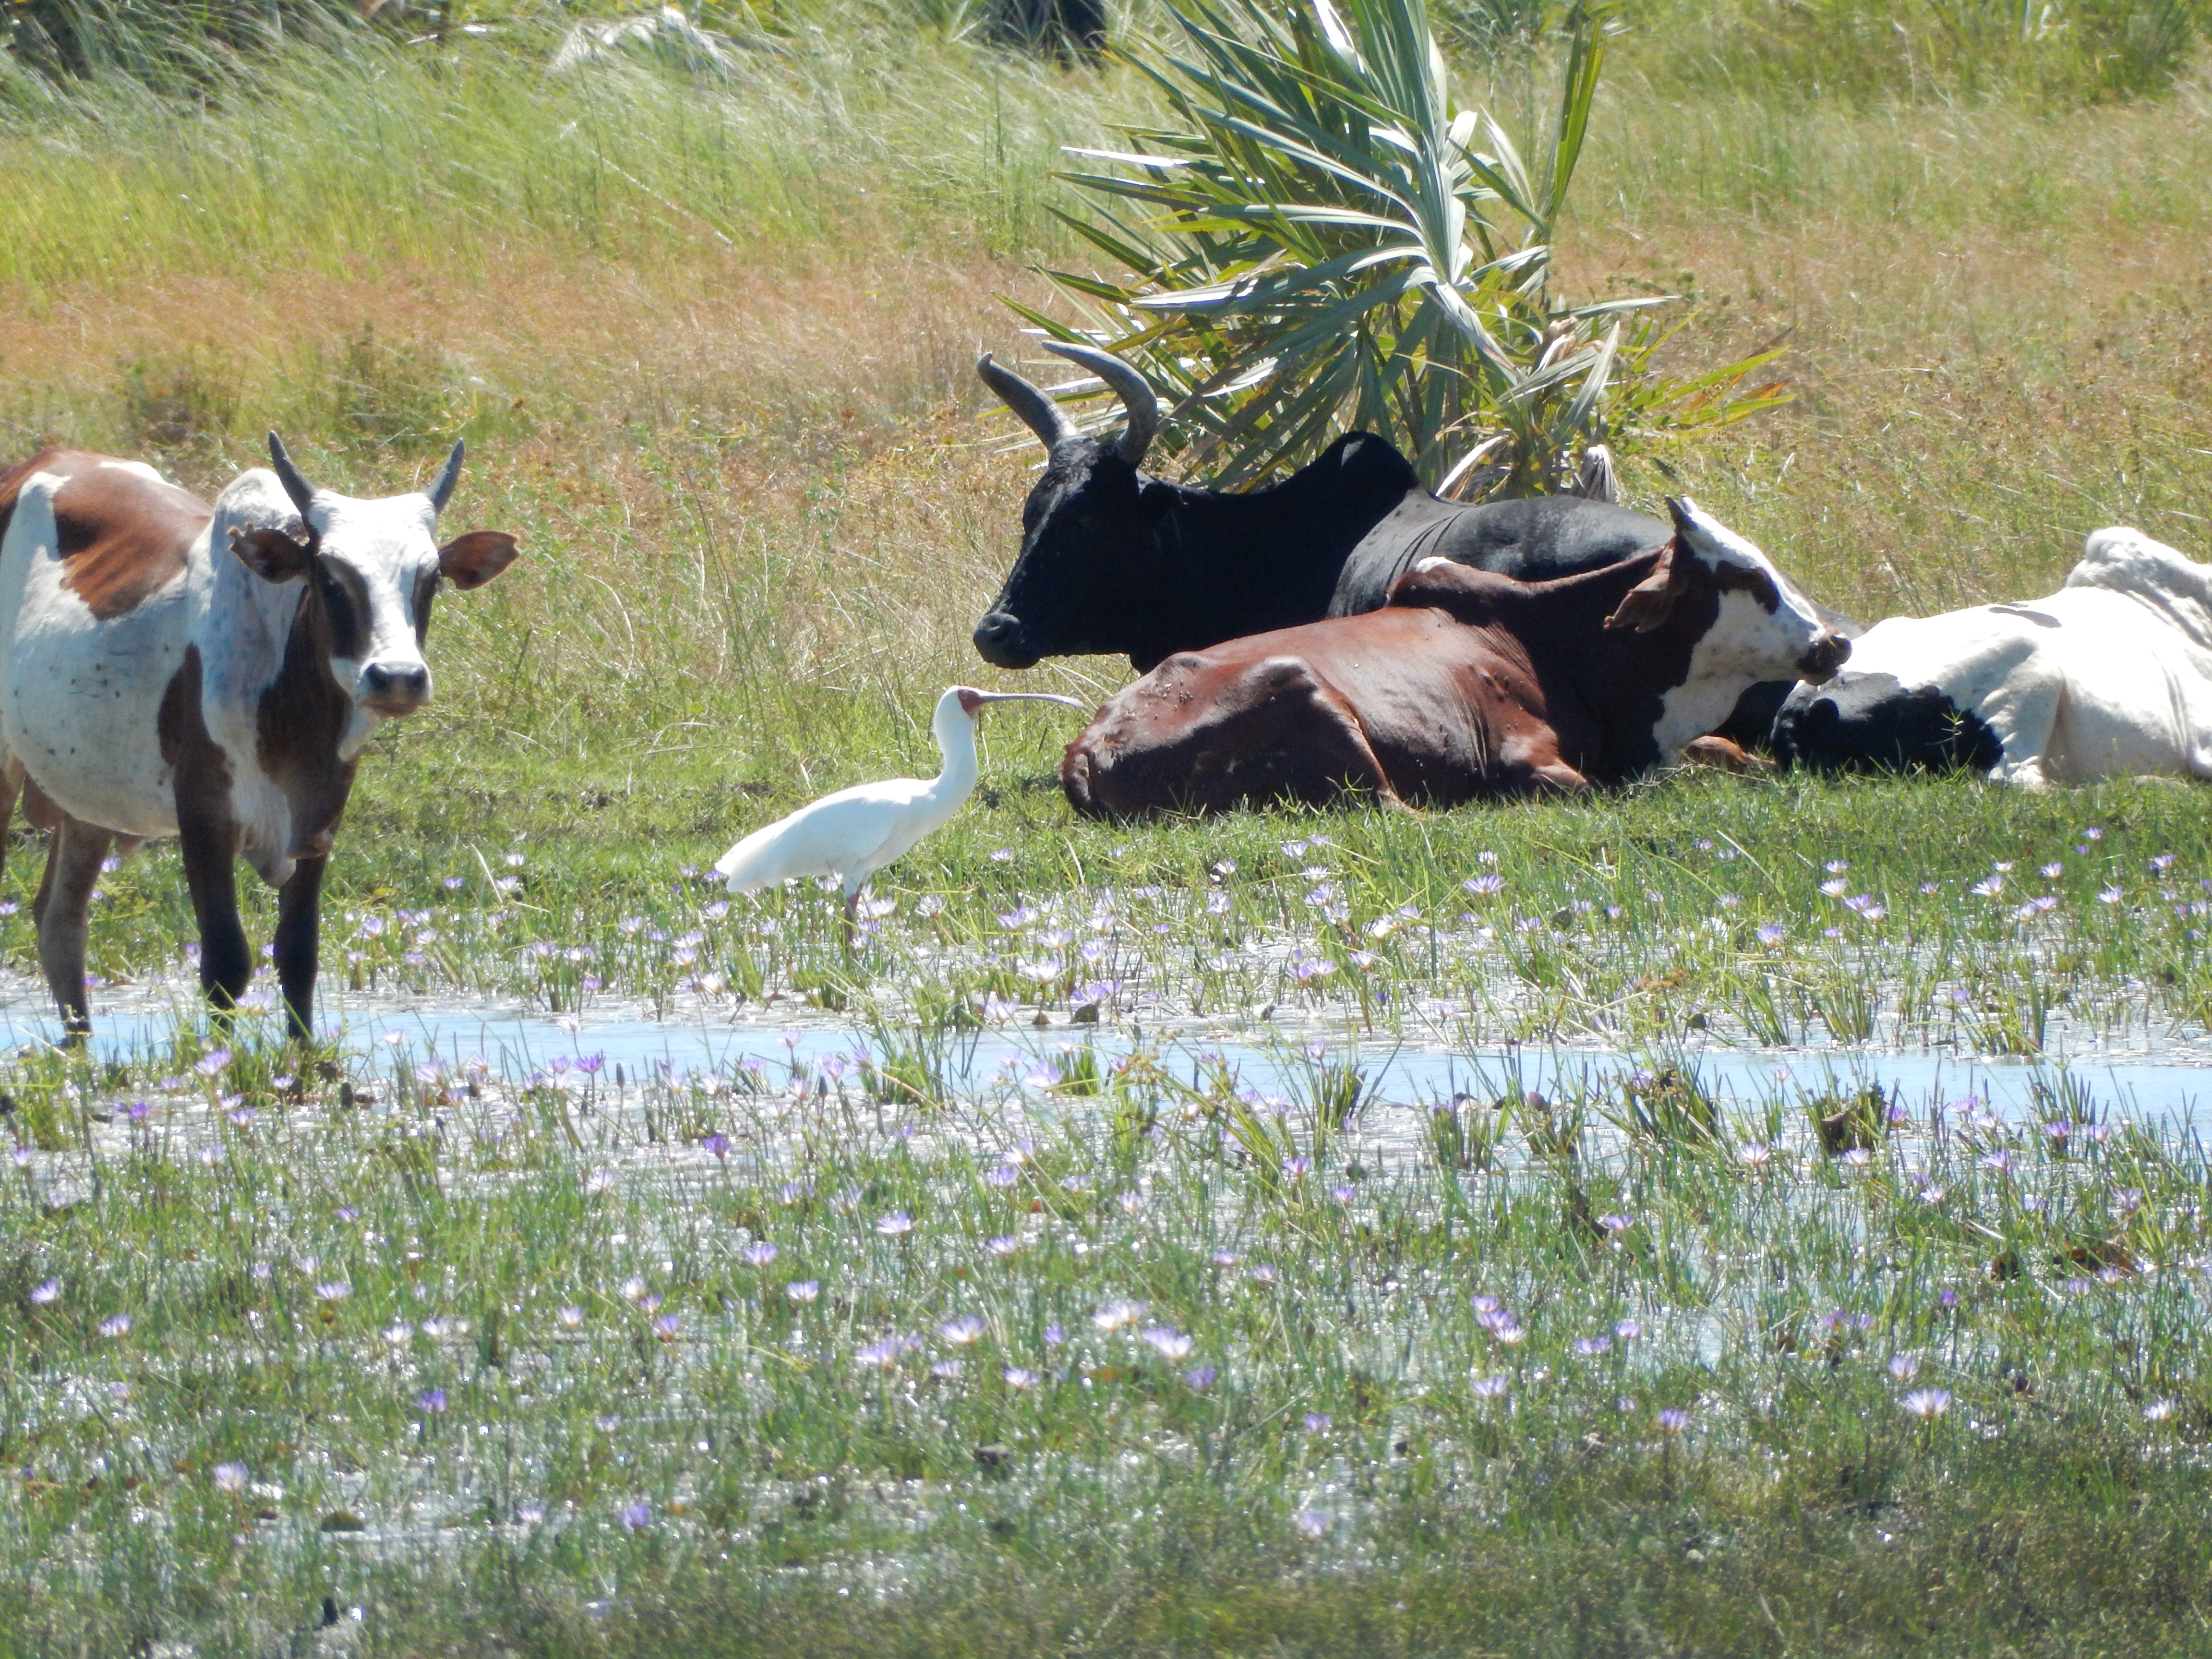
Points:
x=374, y=567
x=377, y=568
x=1764, y=630
x=1746, y=631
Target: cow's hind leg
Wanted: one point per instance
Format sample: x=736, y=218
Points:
x=1280, y=730
x=1315, y=737
x=64, y=915
x=299, y=939
x=11, y=784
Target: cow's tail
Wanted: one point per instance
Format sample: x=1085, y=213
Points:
x=12, y=480
x=11, y=486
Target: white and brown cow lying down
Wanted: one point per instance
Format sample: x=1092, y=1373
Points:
x=1466, y=684
x=168, y=668
x=2110, y=677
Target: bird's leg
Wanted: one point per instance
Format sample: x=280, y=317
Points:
x=852, y=905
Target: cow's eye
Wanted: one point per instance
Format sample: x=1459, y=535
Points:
x=337, y=605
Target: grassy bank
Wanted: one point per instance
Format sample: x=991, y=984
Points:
x=1936, y=913
x=714, y=348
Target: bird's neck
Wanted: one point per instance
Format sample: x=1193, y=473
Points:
x=958, y=778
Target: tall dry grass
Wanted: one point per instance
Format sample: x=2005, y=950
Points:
x=1996, y=318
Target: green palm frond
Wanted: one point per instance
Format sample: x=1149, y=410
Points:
x=1325, y=241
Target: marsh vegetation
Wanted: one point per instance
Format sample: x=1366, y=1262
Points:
x=1126, y=1349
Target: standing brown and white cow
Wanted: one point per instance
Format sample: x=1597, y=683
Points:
x=168, y=668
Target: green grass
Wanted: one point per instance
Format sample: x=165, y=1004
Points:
x=366, y=161
x=1946, y=51
x=1765, y=912
x=712, y=347
x=782, y=1466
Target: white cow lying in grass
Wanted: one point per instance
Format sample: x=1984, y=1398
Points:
x=2110, y=677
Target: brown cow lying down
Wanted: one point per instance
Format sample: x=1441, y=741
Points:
x=1467, y=685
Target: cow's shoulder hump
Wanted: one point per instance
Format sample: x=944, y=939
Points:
x=122, y=533
x=1362, y=463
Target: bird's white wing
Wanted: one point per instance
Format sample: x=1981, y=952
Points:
x=833, y=836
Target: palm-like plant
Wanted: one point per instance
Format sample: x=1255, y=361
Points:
x=1326, y=242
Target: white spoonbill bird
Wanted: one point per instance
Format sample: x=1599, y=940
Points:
x=856, y=832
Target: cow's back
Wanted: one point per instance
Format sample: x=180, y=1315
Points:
x=2137, y=689
x=95, y=563
x=1533, y=539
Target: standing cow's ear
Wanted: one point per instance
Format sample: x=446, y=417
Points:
x=472, y=560
x=271, y=554
x=1651, y=601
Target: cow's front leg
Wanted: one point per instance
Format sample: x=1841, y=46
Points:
x=299, y=939
x=210, y=846
x=1724, y=755
x=62, y=913
x=2024, y=715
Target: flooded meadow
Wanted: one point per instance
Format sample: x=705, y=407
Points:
x=1252, y=1202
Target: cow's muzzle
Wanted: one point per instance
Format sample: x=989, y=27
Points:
x=395, y=691
x=1828, y=653
x=999, y=641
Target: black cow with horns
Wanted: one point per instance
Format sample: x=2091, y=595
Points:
x=1113, y=561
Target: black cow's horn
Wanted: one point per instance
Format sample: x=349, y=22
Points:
x=1136, y=392
x=1038, y=412
x=443, y=490
x=302, y=492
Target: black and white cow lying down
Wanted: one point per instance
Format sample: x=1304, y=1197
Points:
x=2110, y=677
x=1467, y=685
x=168, y=668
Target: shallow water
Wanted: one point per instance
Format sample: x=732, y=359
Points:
x=2169, y=1084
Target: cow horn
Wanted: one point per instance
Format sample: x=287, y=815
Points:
x=442, y=491
x=1136, y=392
x=302, y=492
x=1038, y=412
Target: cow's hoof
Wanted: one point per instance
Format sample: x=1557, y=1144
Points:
x=1724, y=755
